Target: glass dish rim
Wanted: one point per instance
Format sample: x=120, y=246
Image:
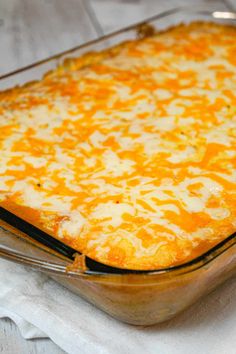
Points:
x=63, y=269
x=187, y=267
x=226, y=15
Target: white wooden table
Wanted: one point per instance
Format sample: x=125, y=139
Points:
x=34, y=29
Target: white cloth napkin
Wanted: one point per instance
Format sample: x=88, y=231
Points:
x=41, y=307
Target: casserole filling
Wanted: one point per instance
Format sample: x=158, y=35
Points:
x=129, y=155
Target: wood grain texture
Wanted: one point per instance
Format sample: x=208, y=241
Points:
x=116, y=14
x=11, y=342
x=31, y=30
x=34, y=29
x=231, y=4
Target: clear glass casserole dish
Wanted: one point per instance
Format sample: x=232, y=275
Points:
x=136, y=297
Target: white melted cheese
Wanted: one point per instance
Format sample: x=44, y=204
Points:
x=124, y=147
x=114, y=165
x=112, y=211
x=72, y=226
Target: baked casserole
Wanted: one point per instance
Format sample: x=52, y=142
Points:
x=128, y=155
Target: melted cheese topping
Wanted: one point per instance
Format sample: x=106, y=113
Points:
x=129, y=155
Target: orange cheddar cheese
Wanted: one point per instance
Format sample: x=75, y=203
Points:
x=129, y=155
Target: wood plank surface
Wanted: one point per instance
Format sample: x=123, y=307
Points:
x=34, y=29
x=113, y=15
x=31, y=30
x=231, y=4
x=11, y=342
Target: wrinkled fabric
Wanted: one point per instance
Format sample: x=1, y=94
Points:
x=42, y=308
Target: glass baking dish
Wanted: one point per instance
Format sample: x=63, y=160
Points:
x=135, y=297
